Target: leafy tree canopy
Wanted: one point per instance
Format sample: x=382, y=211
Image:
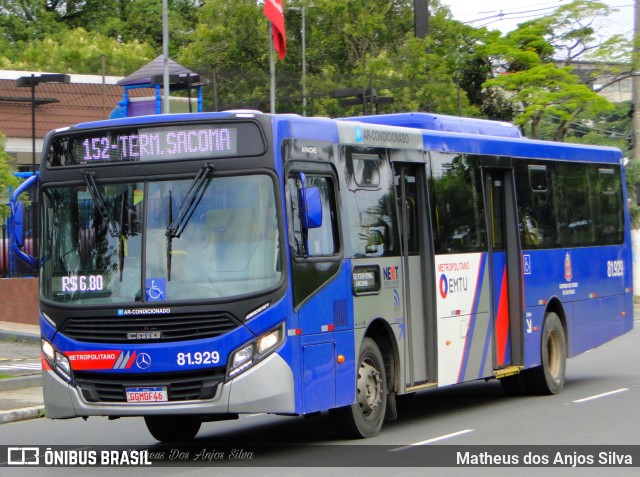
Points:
x=457, y=69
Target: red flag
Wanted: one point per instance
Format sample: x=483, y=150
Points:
x=274, y=12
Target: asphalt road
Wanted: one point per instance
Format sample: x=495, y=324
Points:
x=600, y=406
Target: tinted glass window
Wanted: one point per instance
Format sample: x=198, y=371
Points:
x=607, y=204
x=457, y=204
x=371, y=208
x=576, y=214
x=581, y=204
x=321, y=240
x=537, y=207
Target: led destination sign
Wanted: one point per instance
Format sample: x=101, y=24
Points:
x=185, y=141
x=154, y=145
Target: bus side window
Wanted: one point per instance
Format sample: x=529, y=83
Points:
x=607, y=195
x=369, y=201
x=537, y=207
x=457, y=204
x=323, y=240
x=577, y=214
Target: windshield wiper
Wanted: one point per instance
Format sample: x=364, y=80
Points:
x=113, y=226
x=186, y=209
x=98, y=200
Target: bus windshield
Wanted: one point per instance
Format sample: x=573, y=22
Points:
x=117, y=243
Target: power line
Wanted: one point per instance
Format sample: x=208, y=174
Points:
x=530, y=11
x=508, y=16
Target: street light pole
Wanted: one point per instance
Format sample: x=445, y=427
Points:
x=33, y=124
x=32, y=81
x=166, y=108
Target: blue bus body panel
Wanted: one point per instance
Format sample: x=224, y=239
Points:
x=164, y=357
x=318, y=129
x=598, y=306
x=326, y=322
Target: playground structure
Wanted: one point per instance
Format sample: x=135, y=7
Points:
x=151, y=76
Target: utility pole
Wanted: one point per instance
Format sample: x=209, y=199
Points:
x=635, y=80
x=165, y=52
x=635, y=98
x=421, y=18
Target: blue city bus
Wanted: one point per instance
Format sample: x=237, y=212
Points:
x=198, y=267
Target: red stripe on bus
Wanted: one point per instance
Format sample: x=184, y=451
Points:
x=502, y=321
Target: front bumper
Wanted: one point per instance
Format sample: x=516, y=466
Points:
x=266, y=387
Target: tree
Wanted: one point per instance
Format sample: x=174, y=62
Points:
x=349, y=44
x=233, y=55
x=530, y=77
x=123, y=21
x=548, y=91
x=80, y=51
x=22, y=22
x=141, y=20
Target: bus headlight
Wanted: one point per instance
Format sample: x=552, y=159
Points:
x=255, y=351
x=269, y=341
x=242, y=358
x=58, y=362
x=63, y=365
x=47, y=349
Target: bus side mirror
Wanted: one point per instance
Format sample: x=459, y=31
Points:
x=312, y=208
x=18, y=224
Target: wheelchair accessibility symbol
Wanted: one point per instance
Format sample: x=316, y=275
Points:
x=156, y=289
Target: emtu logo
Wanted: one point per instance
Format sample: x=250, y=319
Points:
x=444, y=286
x=452, y=285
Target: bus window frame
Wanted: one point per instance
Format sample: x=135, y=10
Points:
x=314, y=169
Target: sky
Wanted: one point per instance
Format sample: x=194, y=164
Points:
x=506, y=14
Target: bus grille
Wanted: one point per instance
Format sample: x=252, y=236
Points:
x=101, y=387
x=156, y=329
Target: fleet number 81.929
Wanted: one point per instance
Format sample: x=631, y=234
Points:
x=205, y=357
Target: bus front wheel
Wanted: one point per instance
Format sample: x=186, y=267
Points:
x=364, y=417
x=173, y=428
x=548, y=378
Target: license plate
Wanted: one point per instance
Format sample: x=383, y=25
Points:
x=154, y=394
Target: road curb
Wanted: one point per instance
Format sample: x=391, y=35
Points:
x=19, y=336
x=21, y=414
x=21, y=382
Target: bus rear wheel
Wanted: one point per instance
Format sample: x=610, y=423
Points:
x=364, y=417
x=173, y=429
x=548, y=378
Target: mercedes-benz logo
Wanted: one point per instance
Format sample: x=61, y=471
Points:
x=143, y=361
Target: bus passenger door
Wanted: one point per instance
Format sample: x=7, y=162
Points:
x=410, y=186
x=504, y=253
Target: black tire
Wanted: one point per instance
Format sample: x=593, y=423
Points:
x=173, y=429
x=364, y=418
x=549, y=377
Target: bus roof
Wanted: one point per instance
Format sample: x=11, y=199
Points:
x=439, y=133
x=440, y=122
x=523, y=147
